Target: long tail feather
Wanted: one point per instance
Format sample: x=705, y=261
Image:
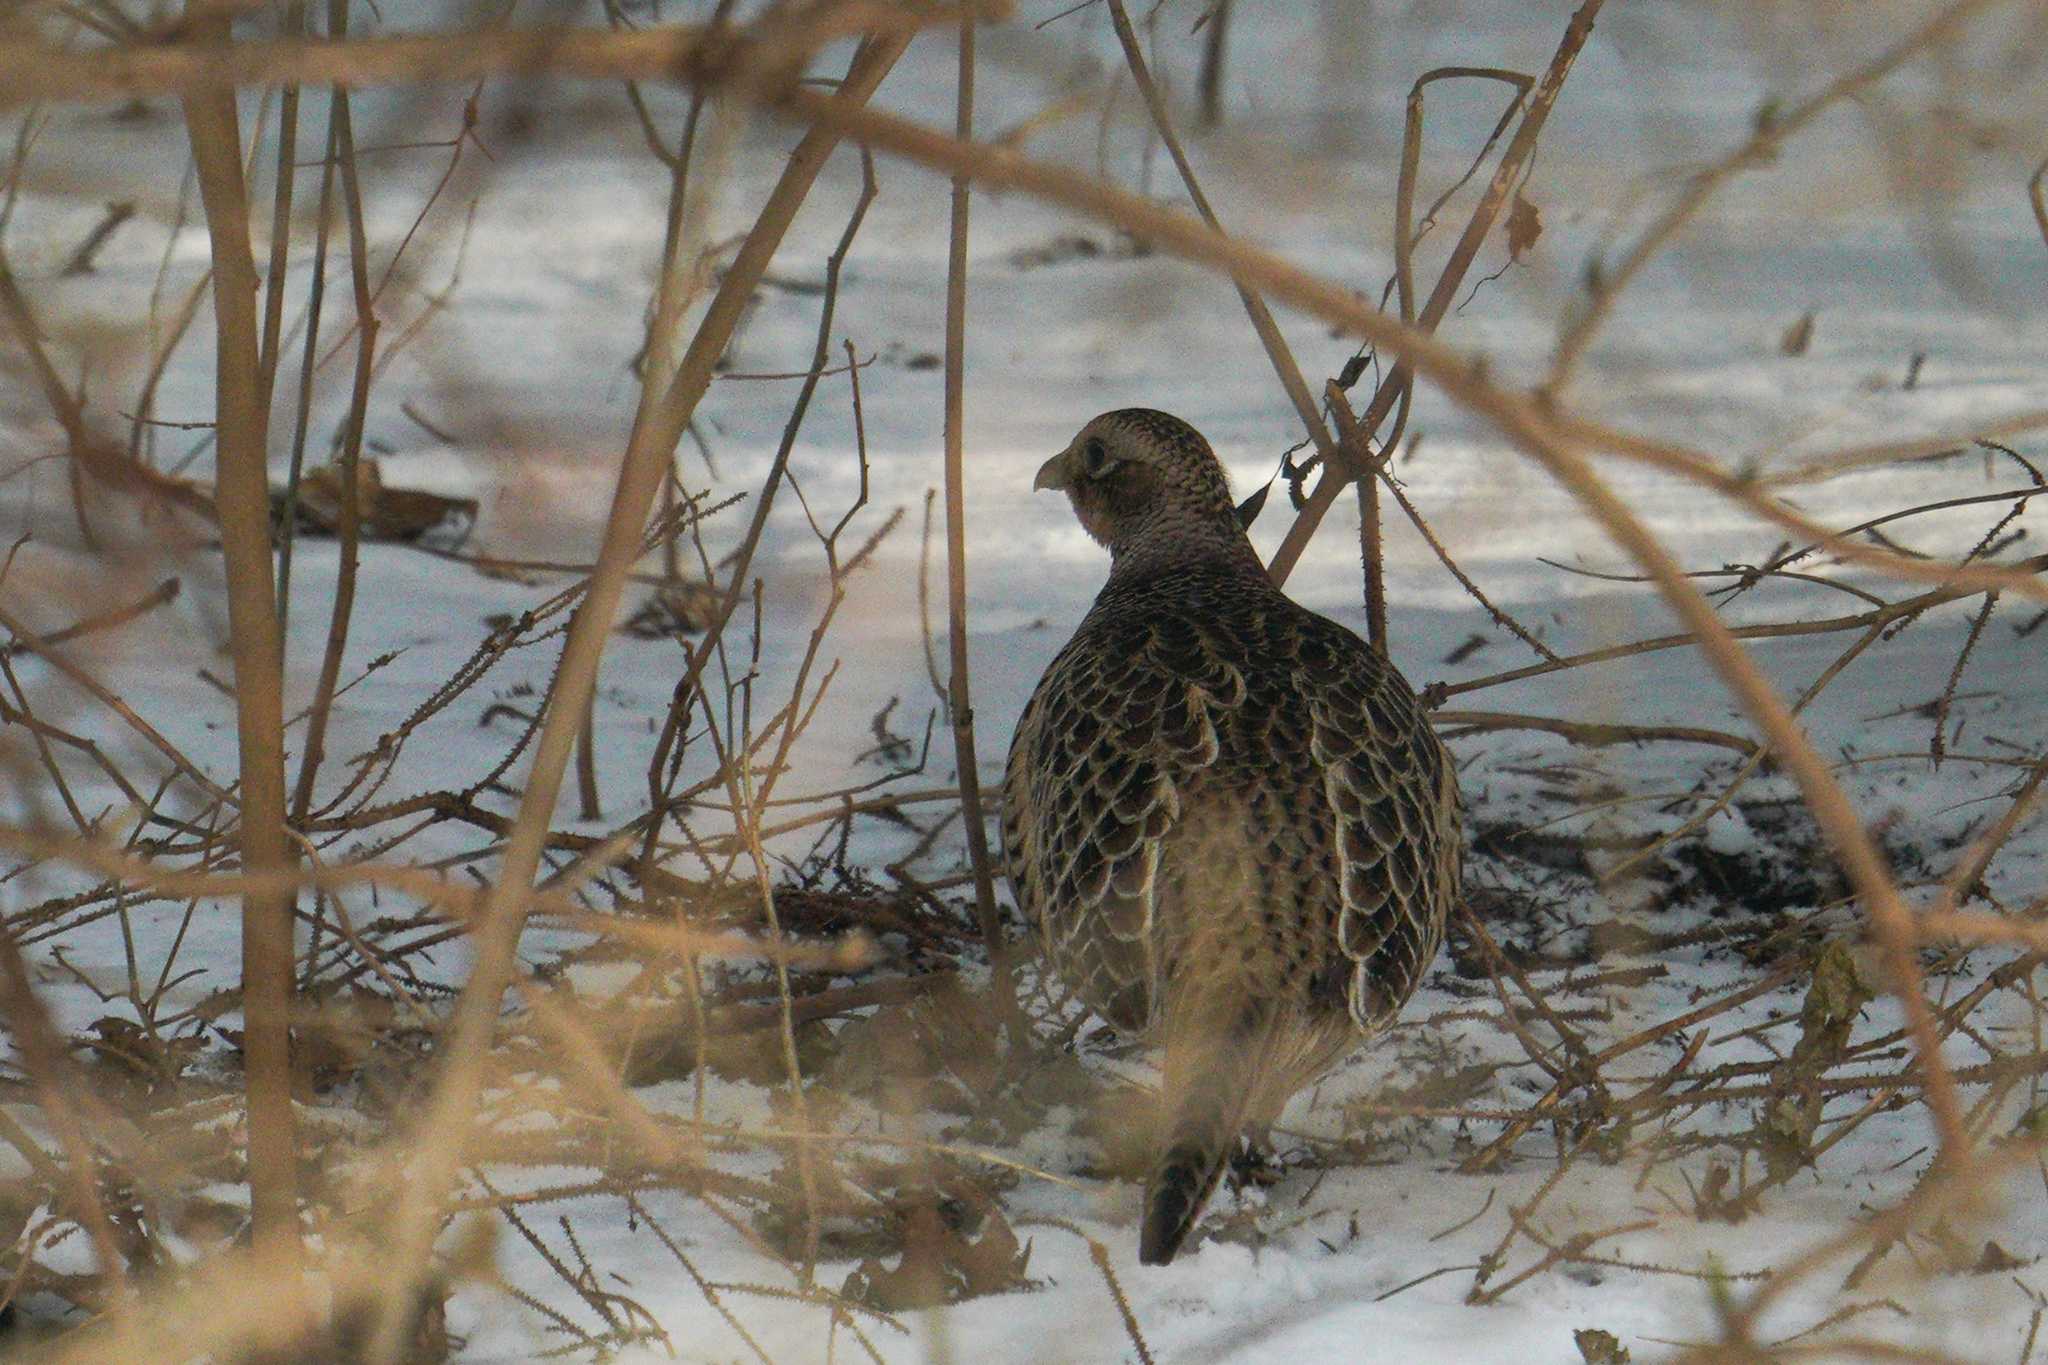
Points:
x=1206, y=1091
x=1174, y=1197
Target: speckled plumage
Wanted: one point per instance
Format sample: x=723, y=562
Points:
x=1226, y=815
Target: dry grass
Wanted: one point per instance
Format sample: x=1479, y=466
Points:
x=777, y=981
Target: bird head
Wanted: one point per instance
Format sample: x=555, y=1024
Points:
x=1136, y=475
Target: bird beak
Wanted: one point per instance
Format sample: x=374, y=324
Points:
x=1053, y=473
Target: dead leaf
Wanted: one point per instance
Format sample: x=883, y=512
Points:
x=1600, y=1348
x=383, y=512
x=1798, y=336
x=941, y=1264
x=1525, y=225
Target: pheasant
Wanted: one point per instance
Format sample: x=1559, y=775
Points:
x=1226, y=816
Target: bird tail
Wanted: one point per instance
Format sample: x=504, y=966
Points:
x=1208, y=1084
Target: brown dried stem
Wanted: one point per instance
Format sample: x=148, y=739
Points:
x=44, y=1058
x=243, y=497
x=1277, y=351
x=648, y=452
x=1595, y=734
x=281, y=215
x=31, y=71
x=1761, y=149
x=1838, y=820
x=1499, y=617
x=959, y=694
x=1875, y=619
x=1512, y=163
x=348, y=530
x=1429, y=358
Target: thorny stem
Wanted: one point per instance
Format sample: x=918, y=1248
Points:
x=1277, y=351
x=1355, y=449
x=1505, y=175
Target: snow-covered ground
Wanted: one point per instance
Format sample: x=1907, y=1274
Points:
x=517, y=391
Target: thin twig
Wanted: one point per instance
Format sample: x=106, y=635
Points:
x=449, y=1109
x=1760, y=149
x=1505, y=176
x=348, y=528
x=959, y=694
x=1276, y=348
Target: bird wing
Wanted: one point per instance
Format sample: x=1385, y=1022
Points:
x=1104, y=751
x=1393, y=795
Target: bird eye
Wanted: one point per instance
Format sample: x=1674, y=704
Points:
x=1095, y=461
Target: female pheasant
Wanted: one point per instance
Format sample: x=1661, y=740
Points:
x=1226, y=815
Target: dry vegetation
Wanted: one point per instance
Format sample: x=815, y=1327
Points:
x=363, y=1098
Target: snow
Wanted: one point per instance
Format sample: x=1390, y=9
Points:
x=524, y=372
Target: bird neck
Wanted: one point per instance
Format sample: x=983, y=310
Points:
x=1161, y=543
